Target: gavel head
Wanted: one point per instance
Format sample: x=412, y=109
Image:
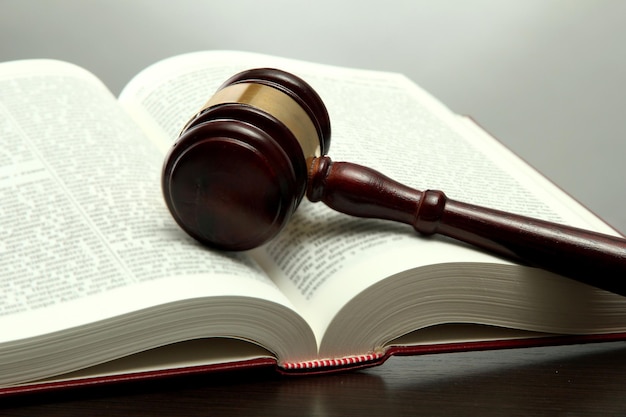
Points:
x=238, y=171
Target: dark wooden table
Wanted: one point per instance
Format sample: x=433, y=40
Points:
x=566, y=380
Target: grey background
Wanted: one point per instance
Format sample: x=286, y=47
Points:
x=544, y=76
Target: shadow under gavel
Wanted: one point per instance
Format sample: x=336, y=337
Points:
x=243, y=163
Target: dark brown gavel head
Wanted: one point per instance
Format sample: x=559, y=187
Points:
x=238, y=171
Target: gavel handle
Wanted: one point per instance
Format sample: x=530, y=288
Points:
x=593, y=258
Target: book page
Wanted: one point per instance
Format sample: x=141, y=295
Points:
x=380, y=120
x=82, y=220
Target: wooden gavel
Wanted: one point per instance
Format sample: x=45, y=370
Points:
x=243, y=163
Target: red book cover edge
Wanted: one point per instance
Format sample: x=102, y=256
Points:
x=269, y=363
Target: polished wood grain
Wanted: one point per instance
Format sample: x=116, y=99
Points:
x=593, y=258
x=238, y=170
x=567, y=380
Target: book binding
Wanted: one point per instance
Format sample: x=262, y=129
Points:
x=333, y=363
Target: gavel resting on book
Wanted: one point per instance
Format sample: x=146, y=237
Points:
x=242, y=165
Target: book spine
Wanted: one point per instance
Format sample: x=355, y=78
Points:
x=332, y=363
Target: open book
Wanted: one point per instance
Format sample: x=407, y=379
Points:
x=97, y=281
